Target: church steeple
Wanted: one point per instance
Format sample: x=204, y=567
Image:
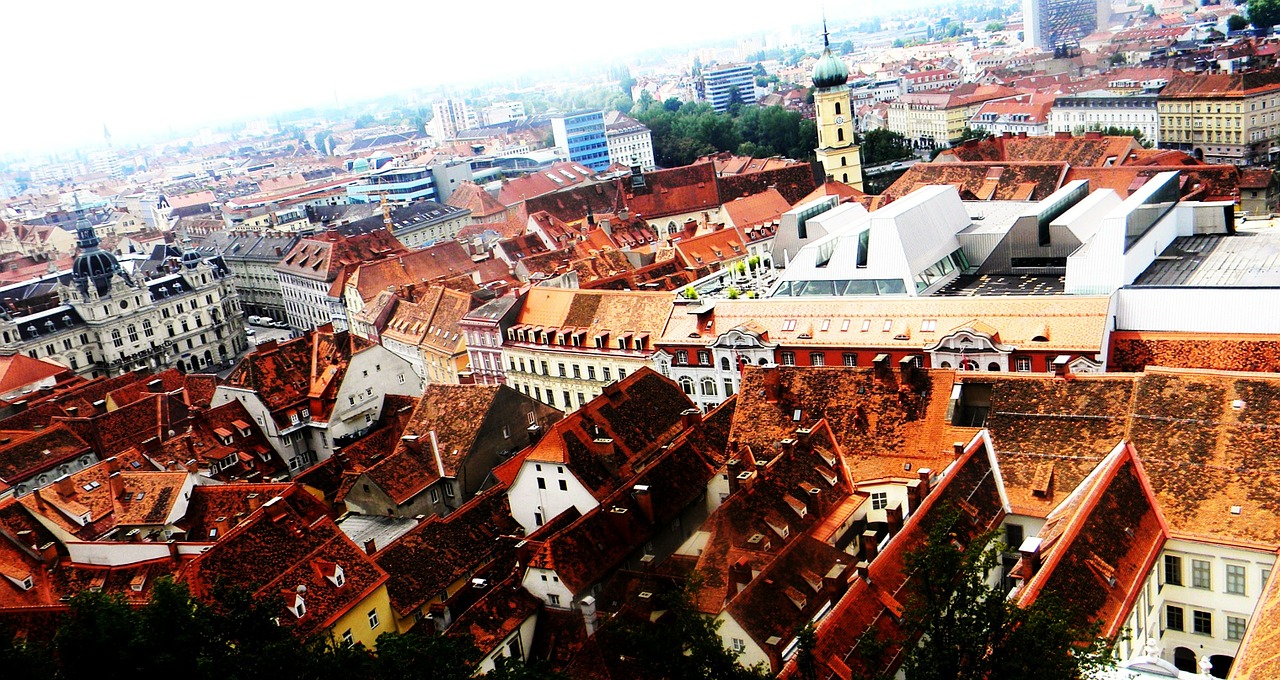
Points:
x=837, y=151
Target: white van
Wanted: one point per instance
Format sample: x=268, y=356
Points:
x=255, y=320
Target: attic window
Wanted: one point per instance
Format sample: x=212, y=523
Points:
x=888, y=326
x=789, y=325
x=844, y=326
x=929, y=325
x=866, y=325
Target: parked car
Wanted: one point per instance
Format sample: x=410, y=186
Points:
x=249, y=332
x=254, y=320
x=278, y=324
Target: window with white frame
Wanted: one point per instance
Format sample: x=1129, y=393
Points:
x=373, y=619
x=1235, y=579
x=879, y=500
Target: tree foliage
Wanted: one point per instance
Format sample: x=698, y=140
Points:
x=970, y=631
x=683, y=132
x=884, y=146
x=1264, y=14
x=234, y=637
x=683, y=645
x=1236, y=22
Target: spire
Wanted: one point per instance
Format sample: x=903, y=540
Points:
x=826, y=40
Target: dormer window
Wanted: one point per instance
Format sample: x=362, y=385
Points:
x=305, y=413
x=299, y=608
x=338, y=578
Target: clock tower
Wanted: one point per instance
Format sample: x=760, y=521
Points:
x=840, y=156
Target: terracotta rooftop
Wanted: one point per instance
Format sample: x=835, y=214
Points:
x=1098, y=547
x=635, y=415
x=18, y=371
x=430, y=264
x=555, y=178
x=985, y=180
x=284, y=544
x=324, y=256
x=24, y=454
x=1135, y=350
x=1259, y=655
x=473, y=197
x=305, y=372
x=1090, y=150
x=688, y=189
x=868, y=613
x=881, y=421
x=712, y=248
x=438, y=552
x=1229, y=85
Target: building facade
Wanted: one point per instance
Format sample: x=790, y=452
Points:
x=723, y=83
x=630, y=142
x=99, y=321
x=484, y=328
x=1101, y=109
x=1048, y=24
x=252, y=257
x=1229, y=119
x=581, y=138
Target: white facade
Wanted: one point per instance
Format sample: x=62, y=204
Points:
x=503, y=112
x=541, y=491
x=308, y=305
x=1101, y=109
x=567, y=377
x=630, y=146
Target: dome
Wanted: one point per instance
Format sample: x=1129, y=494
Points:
x=97, y=266
x=190, y=259
x=829, y=71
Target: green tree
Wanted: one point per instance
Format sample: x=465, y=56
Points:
x=1264, y=14
x=995, y=27
x=683, y=645
x=884, y=146
x=758, y=70
x=364, y=121
x=1236, y=22
x=970, y=631
x=672, y=104
x=971, y=133
x=845, y=47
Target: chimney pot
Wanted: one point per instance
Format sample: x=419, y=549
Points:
x=869, y=545
x=959, y=448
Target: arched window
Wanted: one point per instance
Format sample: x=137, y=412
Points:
x=968, y=365
x=763, y=361
x=671, y=227
x=686, y=384
x=724, y=364
x=993, y=366
x=146, y=328
x=115, y=338
x=839, y=134
x=844, y=160
x=709, y=387
x=133, y=333
x=845, y=177
x=946, y=364
x=837, y=108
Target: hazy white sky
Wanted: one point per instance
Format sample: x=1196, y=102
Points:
x=70, y=66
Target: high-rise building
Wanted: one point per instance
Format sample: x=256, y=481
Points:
x=450, y=116
x=840, y=157
x=719, y=83
x=1052, y=23
x=581, y=136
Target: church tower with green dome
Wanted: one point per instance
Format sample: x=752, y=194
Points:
x=840, y=156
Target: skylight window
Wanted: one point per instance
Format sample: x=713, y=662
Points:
x=826, y=324
x=888, y=325
x=866, y=325
x=789, y=325
x=844, y=326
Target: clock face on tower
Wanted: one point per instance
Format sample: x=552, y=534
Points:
x=839, y=120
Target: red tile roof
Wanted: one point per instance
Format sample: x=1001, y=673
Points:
x=18, y=371
x=279, y=548
x=427, y=265
x=324, y=257
x=677, y=191
x=1098, y=547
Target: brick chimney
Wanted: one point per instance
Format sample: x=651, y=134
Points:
x=925, y=475
x=601, y=446
x=868, y=546
x=1062, y=366
x=64, y=486
x=371, y=546
x=894, y=517
x=115, y=482
x=958, y=448
x=1030, y=552
x=275, y=509
x=155, y=386
x=254, y=500
x=690, y=417
x=644, y=500
x=740, y=574
x=223, y=525
x=836, y=580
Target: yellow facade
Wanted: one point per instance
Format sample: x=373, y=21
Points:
x=366, y=620
x=1222, y=130
x=927, y=121
x=840, y=157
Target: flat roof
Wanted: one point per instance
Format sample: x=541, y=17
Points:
x=991, y=285
x=1247, y=259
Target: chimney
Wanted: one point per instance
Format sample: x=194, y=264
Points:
x=619, y=521
x=73, y=411
x=113, y=465
x=100, y=406
x=1030, y=552
x=151, y=445
x=116, y=483
x=690, y=417
x=601, y=446
x=155, y=386
x=958, y=447
x=1062, y=366
x=441, y=617
x=371, y=546
x=836, y=581
x=1093, y=134
x=915, y=494
x=868, y=546
x=275, y=509
x=925, y=475
x=740, y=575
x=772, y=385
x=525, y=551
x=590, y=616
x=254, y=500
x=63, y=486
x=864, y=571
x=894, y=516
x=645, y=500
x=49, y=553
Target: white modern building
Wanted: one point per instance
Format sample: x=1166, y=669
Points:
x=908, y=247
